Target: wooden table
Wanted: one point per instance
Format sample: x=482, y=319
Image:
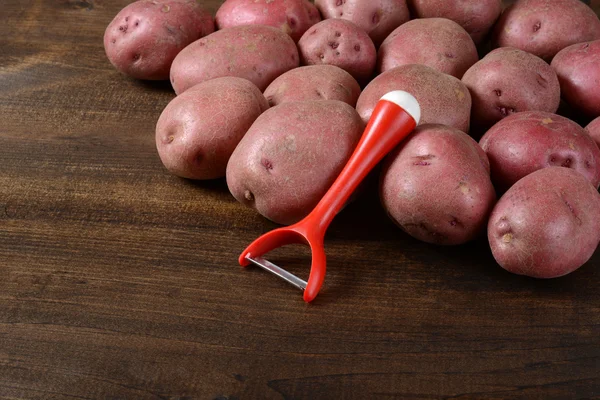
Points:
x=119, y=280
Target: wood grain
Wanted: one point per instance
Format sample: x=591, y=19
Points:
x=120, y=281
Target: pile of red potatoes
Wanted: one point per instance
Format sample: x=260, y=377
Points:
x=274, y=95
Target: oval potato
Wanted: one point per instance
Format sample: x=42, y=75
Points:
x=290, y=157
x=545, y=27
x=314, y=82
x=507, y=81
x=443, y=45
x=525, y=142
x=254, y=52
x=443, y=98
x=199, y=129
x=578, y=71
x=436, y=186
x=476, y=17
x=376, y=17
x=341, y=43
x=145, y=36
x=293, y=17
x=546, y=225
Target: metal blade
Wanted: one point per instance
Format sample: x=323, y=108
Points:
x=280, y=272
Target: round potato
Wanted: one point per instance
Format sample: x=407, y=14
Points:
x=293, y=17
x=436, y=186
x=476, y=17
x=593, y=129
x=507, y=81
x=578, y=71
x=376, y=17
x=341, y=43
x=315, y=82
x=546, y=225
x=527, y=141
x=290, y=157
x=254, y=52
x=145, y=36
x=199, y=129
x=443, y=45
x=544, y=27
x=443, y=98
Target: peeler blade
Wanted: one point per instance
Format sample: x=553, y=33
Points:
x=278, y=271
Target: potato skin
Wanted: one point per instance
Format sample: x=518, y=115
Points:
x=314, y=82
x=376, y=17
x=290, y=157
x=436, y=186
x=254, y=52
x=546, y=225
x=144, y=37
x=593, y=129
x=199, y=129
x=443, y=98
x=443, y=45
x=476, y=17
x=525, y=142
x=293, y=17
x=341, y=43
x=507, y=81
x=544, y=27
x=578, y=71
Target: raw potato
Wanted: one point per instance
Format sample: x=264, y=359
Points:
x=442, y=45
x=436, y=186
x=525, y=142
x=293, y=17
x=376, y=17
x=593, y=129
x=199, y=129
x=443, y=98
x=546, y=225
x=254, y=52
x=144, y=37
x=315, y=82
x=578, y=70
x=341, y=43
x=544, y=27
x=290, y=157
x=507, y=81
x=476, y=17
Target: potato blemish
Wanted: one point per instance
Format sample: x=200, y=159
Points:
x=507, y=237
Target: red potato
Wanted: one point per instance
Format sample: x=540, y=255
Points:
x=293, y=17
x=443, y=45
x=443, y=98
x=507, y=81
x=315, y=82
x=525, y=142
x=593, y=129
x=546, y=225
x=290, y=157
x=341, y=43
x=144, y=37
x=544, y=27
x=254, y=52
x=376, y=17
x=436, y=186
x=578, y=71
x=476, y=17
x=199, y=129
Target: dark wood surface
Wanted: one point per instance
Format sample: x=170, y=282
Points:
x=118, y=280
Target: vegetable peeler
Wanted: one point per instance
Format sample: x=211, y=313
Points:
x=395, y=116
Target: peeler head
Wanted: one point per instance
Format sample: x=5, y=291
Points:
x=281, y=237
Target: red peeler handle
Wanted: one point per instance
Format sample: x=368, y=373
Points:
x=394, y=117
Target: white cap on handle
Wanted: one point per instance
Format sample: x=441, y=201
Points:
x=407, y=101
